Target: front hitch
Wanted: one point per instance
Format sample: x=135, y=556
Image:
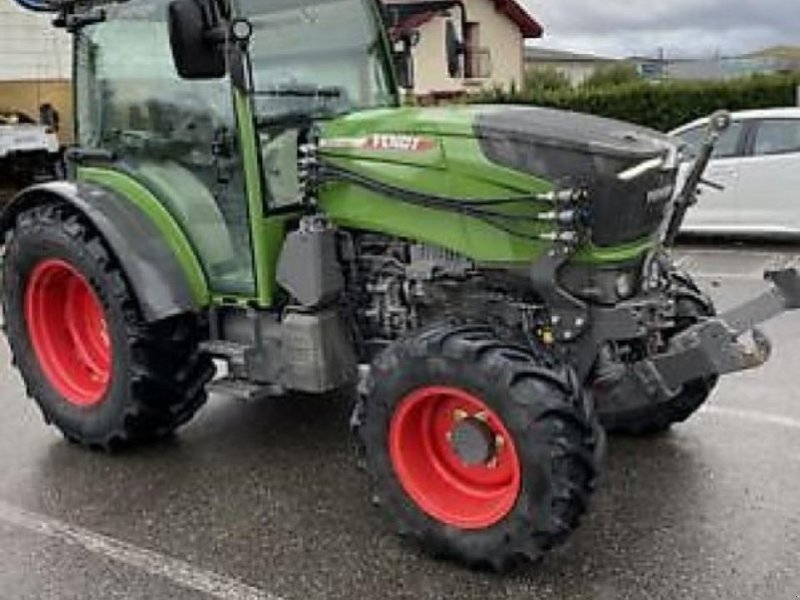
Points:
x=720, y=345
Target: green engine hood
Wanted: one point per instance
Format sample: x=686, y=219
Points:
x=470, y=153
x=432, y=151
x=438, y=139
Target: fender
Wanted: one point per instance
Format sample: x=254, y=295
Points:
x=151, y=264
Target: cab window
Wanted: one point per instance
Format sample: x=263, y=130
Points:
x=176, y=137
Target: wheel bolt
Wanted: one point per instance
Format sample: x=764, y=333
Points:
x=460, y=415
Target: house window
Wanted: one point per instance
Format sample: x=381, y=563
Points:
x=477, y=59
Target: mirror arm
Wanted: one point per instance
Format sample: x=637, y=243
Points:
x=73, y=20
x=239, y=67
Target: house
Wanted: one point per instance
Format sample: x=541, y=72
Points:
x=35, y=61
x=575, y=67
x=490, y=36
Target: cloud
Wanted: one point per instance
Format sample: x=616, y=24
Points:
x=680, y=27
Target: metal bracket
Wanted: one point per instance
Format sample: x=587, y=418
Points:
x=787, y=281
x=718, y=346
x=569, y=316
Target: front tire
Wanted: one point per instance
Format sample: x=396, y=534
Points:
x=478, y=449
x=98, y=372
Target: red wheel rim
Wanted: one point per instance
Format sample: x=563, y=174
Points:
x=432, y=472
x=68, y=331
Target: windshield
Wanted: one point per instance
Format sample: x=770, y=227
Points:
x=317, y=58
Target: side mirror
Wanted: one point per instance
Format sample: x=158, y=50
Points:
x=198, y=49
x=454, y=49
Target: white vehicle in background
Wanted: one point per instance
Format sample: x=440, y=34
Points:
x=753, y=180
x=28, y=150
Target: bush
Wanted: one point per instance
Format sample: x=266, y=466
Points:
x=611, y=76
x=663, y=105
x=541, y=80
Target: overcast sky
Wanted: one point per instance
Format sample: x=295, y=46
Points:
x=680, y=27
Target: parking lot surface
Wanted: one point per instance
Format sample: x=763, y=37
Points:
x=263, y=500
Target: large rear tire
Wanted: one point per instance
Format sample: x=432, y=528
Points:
x=480, y=450
x=692, y=306
x=98, y=372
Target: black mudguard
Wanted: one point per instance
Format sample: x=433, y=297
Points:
x=151, y=267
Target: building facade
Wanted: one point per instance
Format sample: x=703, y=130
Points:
x=35, y=61
x=577, y=68
x=491, y=33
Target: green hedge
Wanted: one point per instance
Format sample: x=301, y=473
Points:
x=663, y=105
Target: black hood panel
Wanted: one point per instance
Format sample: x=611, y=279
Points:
x=576, y=150
x=552, y=143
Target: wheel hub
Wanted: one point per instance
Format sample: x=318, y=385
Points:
x=474, y=442
x=68, y=332
x=454, y=457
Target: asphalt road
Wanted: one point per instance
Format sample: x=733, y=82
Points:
x=263, y=501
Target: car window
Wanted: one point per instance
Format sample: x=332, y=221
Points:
x=778, y=136
x=727, y=146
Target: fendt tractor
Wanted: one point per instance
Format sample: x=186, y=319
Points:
x=492, y=283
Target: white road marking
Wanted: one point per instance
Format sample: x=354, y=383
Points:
x=753, y=415
x=176, y=571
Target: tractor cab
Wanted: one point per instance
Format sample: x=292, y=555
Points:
x=212, y=126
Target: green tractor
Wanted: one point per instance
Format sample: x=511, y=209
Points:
x=248, y=193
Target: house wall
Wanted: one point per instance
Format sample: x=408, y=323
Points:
x=28, y=96
x=430, y=61
x=35, y=61
x=497, y=32
x=503, y=36
x=30, y=48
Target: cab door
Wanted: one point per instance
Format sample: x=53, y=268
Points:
x=175, y=137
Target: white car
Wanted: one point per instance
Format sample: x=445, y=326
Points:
x=757, y=162
x=27, y=148
x=20, y=134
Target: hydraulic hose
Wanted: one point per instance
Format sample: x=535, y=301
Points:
x=481, y=209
